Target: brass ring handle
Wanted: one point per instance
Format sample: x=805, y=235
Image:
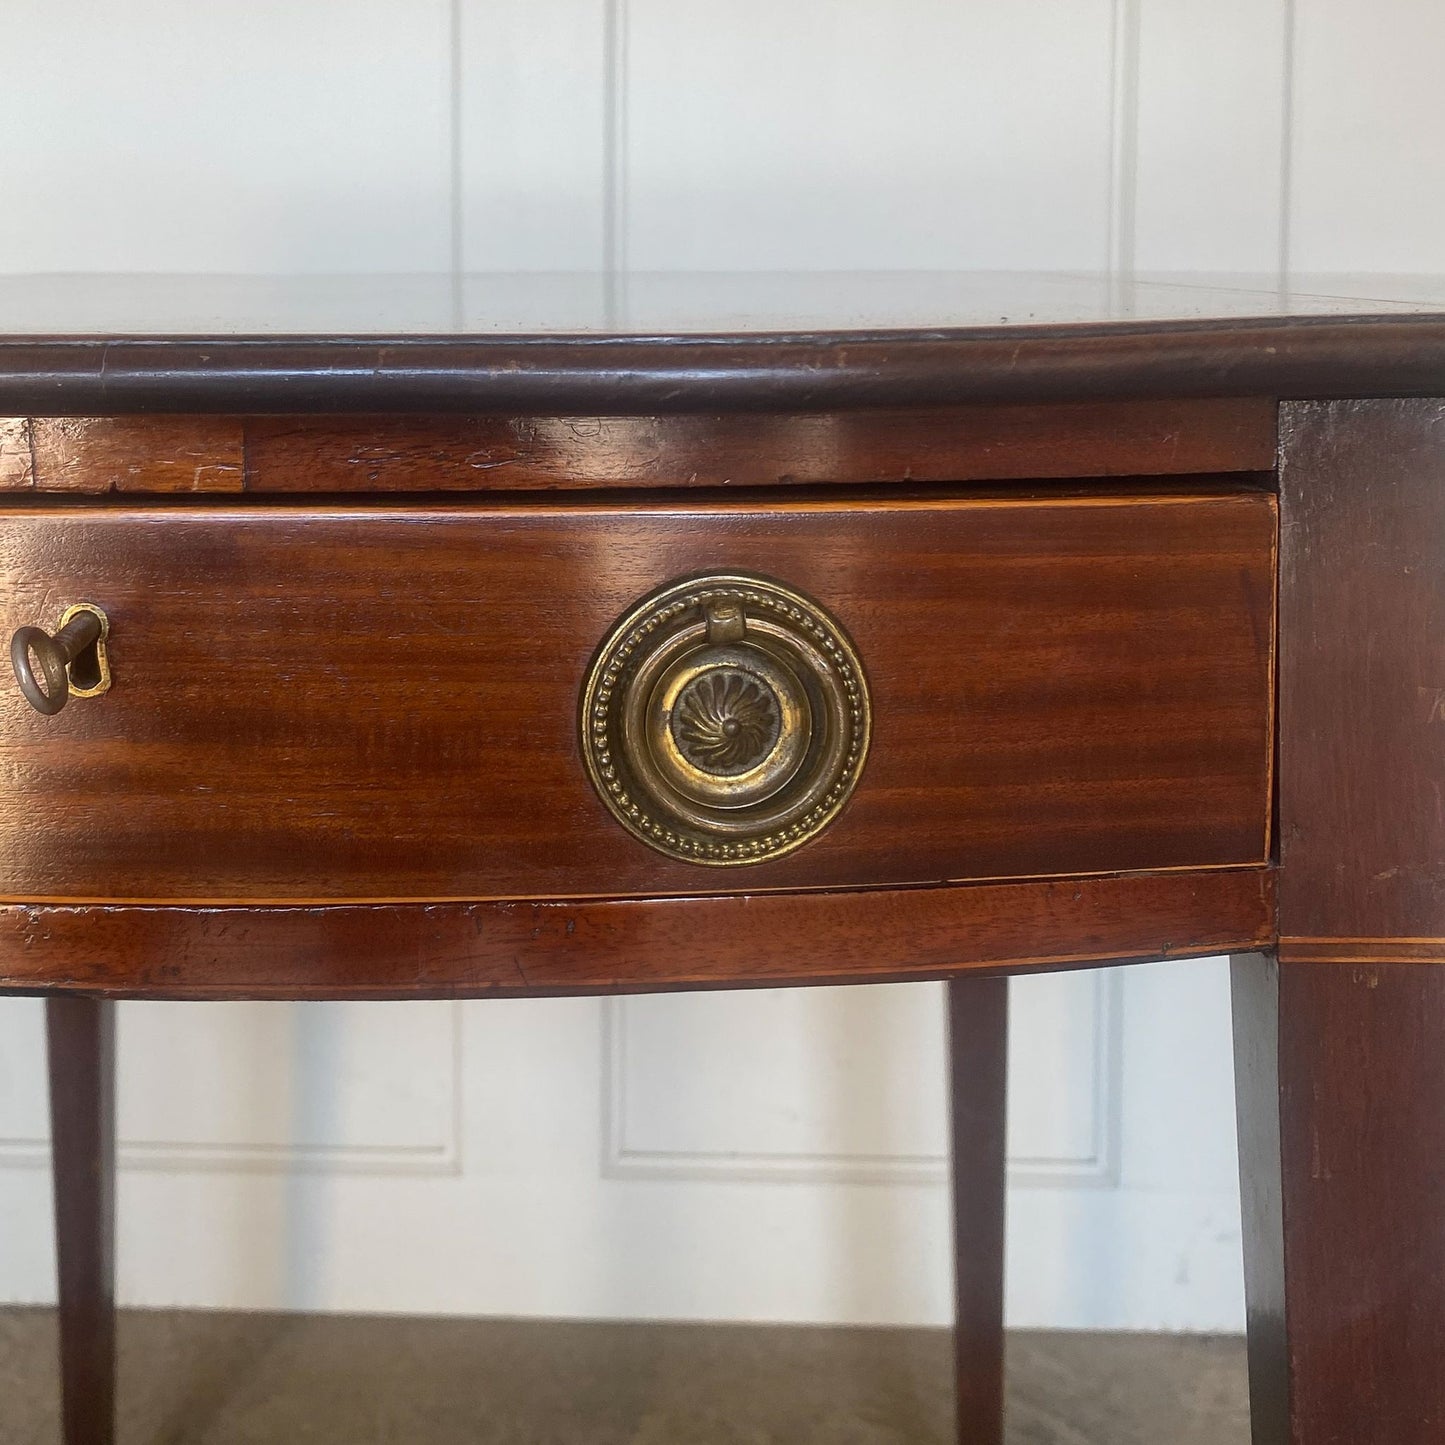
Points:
x=725, y=719
x=78, y=646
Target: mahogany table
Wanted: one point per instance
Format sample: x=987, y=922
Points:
x=483, y=637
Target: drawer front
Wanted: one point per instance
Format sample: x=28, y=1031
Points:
x=366, y=704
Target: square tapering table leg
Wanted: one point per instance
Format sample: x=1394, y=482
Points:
x=1340, y=1046
x=978, y=1091
x=1340, y=1076
x=81, y=1040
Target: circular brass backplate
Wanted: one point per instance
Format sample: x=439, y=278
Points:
x=725, y=719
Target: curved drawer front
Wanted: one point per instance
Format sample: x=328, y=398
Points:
x=362, y=704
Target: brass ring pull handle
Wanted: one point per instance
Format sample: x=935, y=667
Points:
x=73, y=662
x=725, y=719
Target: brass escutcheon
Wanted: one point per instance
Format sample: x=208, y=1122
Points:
x=725, y=719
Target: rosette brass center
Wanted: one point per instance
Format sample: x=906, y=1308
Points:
x=725, y=719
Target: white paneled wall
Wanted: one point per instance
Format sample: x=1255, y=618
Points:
x=822, y=133
x=535, y=136
x=1208, y=145
x=1368, y=112
x=774, y=1155
x=238, y=135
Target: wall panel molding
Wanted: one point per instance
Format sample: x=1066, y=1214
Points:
x=1099, y=1166
x=30, y=1151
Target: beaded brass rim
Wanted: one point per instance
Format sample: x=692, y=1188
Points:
x=725, y=719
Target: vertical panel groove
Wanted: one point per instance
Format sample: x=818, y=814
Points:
x=1124, y=145
x=614, y=156
x=1109, y=1076
x=1286, y=146
x=455, y=217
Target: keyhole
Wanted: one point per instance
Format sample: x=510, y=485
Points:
x=85, y=667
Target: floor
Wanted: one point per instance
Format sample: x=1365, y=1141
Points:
x=227, y=1379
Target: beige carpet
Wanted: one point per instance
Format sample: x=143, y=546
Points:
x=225, y=1379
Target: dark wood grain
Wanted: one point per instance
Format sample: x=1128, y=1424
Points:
x=978, y=1115
x=137, y=454
x=629, y=375
x=81, y=1043
x=616, y=945
x=375, y=705
x=321, y=454
x=1254, y=1001
x=950, y=444
x=1341, y=1050
x=1342, y=1097
x=1362, y=679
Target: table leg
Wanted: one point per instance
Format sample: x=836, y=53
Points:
x=978, y=1083
x=1340, y=1077
x=81, y=1039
